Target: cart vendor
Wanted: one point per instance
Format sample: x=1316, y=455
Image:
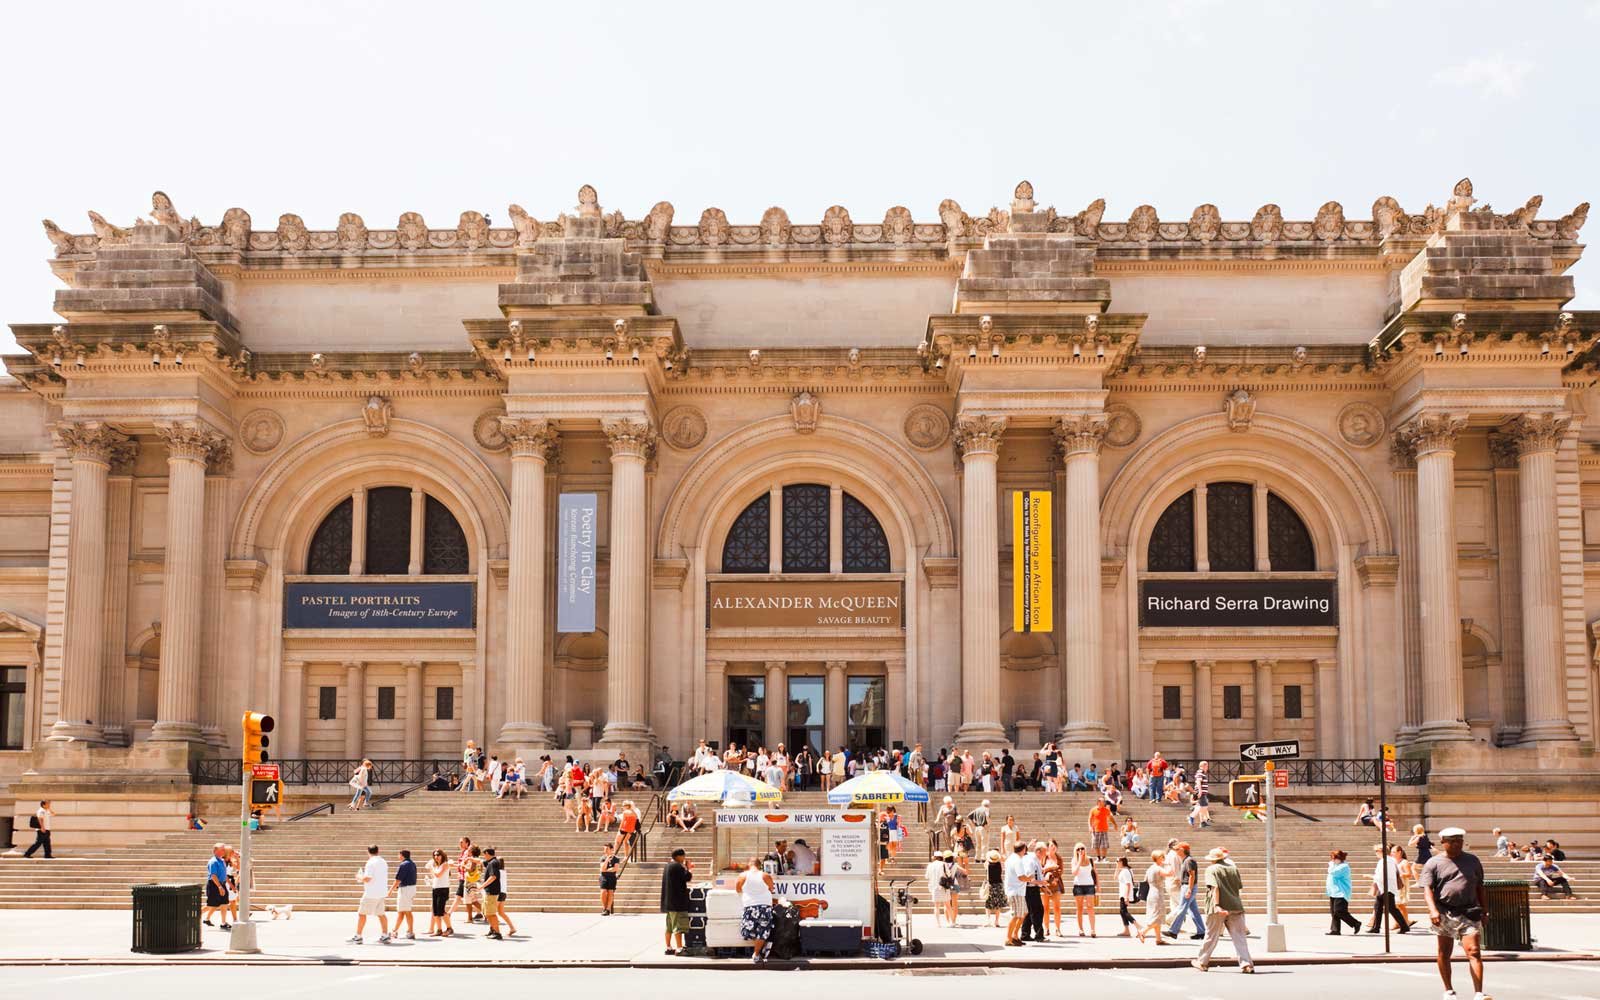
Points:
x=803, y=859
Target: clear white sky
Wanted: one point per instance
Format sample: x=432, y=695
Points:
x=382, y=108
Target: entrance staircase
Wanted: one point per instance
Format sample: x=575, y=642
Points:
x=312, y=863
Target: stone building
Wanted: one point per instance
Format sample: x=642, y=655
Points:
x=1328, y=479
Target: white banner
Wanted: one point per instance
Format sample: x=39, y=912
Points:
x=576, y=530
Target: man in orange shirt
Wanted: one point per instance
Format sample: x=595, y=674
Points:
x=1100, y=827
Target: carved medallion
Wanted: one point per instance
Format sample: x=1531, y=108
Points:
x=486, y=430
x=1123, y=426
x=261, y=431
x=1361, y=425
x=927, y=427
x=683, y=427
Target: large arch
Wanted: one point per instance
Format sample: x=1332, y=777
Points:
x=1332, y=494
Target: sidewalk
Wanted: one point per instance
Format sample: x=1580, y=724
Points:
x=30, y=937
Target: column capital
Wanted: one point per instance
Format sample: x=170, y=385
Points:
x=1531, y=433
x=978, y=434
x=1081, y=433
x=630, y=437
x=413, y=665
x=772, y=665
x=354, y=664
x=1204, y=664
x=840, y=665
x=192, y=441
x=531, y=438
x=93, y=441
x=894, y=664
x=717, y=666
x=1266, y=662
x=1432, y=432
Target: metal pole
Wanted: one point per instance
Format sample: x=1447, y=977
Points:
x=1383, y=830
x=242, y=940
x=1275, y=935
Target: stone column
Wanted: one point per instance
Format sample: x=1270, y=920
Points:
x=1405, y=482
x=1202, y=709
x=1543, y=660
x=1326, y=679
x=632, y=441
x=1202, y=539
x=775, y=529
x=291, y=712
x=777, y=707
x=414, y=710
x=1263, y=698
x=1259, y=523
x=836, y=710
x=1080, y=438
x=1142, y=731
x=1433, y=438
x=716, y=720
x=533, y=445
x=978, y=443
x=836, y=529
x=189, y=446
x=355, y=699
x=92, y=447
x=358, y=531
x=419, y=504
x=472, y=723
x=894, y=699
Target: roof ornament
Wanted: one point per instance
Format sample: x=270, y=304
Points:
x=1022, y=198
x=588, y=202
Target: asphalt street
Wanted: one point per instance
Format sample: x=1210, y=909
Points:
x=1533, y=980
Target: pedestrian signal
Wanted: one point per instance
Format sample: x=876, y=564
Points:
x=256, y=728
x=1247, y=793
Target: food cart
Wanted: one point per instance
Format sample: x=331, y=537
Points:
x=840, y=888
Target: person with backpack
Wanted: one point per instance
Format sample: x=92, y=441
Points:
x=39, y=823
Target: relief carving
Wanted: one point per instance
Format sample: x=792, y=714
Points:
x=1123, y=426
x=683, y=427
x=1361, y=425
x=261, y=431
x=927, y=427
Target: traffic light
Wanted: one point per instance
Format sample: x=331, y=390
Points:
x=256, y=728
x=1247, y=792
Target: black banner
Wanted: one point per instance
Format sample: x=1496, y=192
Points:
x=378, y=605
x=1237, y=603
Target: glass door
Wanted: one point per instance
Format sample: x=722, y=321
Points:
x=804, y=726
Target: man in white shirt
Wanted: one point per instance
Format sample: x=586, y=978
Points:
x=41, y=830
x=1381, y=900
x=1016, y=893
x=805, y=859
x=374, y=879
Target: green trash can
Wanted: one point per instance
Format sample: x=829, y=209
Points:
x=1507, y=926
x=166, y=919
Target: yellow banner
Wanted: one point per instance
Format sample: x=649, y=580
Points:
x=1031, y=598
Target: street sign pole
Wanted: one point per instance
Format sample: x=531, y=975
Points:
x=1385, y=755
x=243, y=936
x=1276, y=940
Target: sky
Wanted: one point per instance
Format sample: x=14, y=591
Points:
x=383, y=108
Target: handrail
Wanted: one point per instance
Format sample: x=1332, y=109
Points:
x=312, y=812
x=1295, y=812
x=402, y=793
x=656, y=808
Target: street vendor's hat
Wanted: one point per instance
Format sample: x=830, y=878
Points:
x=1452, y=831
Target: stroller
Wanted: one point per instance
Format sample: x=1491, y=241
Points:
x=894, y=921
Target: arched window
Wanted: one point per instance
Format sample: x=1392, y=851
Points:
x=805, y=528
x=866, y=547
x=807, y=538
x=388, y=537
x=748, y=545
x=1230, y=534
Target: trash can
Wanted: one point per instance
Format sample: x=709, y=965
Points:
x=166, y=919
x=1506, y=927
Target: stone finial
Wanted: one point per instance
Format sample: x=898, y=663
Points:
x=897, y=225
x=236, y=228
x=1241, y=410
x=805, y=408
x=1524, y=216
x=1087, y=222
x=1329, y=223
x=658, y=224
x=163, y=212
x=411, y=231
x=1461, y=197
x=1144, y=225
x=62, y=240
x=1267, y=224
x=527, y=226
x=1205, y=223
x=713, y=227
x=472, y=230
x=1388, y=218
x=351, y=232
x=775, y=228
x=588, y=202
x=376, y=414
x=1569, y=224
x=292, y=233
x=105, y=231
x=837, y=229
x=1022, y=198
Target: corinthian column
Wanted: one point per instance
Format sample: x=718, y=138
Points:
x=92, y=447
x=1263, y=699
x=978, y=443
x=1080, y=438
x=533, y=444
x=1432, y=437
x=631, y=443
x=1536, y=437
x=189, y=447
x=1202, y=709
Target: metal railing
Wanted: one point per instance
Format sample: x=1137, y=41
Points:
x=402, y=793
x=314, y=810
x=1312, y=771
x=230, y=771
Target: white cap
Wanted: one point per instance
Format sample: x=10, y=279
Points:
x=1451, y=831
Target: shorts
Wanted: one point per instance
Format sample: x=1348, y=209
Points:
x=371, y=906
x=1085, y=890
x=215, y=896
x=1019, y=907
x=461, y=887
x=491, y=905
x=441, y=899
x=608, y=882
x=1205, y=799
x=756, y=923
x=677, y=921
x=404, y=898
x=1102, y=839
x=1457, y=926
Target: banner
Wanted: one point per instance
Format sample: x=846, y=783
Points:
x=575, y=566
x=1237, y=603
x=378, y=605
x=1031, y=596
x=821, y=604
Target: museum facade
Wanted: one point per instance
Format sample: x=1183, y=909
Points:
x=633, y=482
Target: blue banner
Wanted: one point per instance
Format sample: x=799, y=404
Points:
x=378, y=605
x=576, y=532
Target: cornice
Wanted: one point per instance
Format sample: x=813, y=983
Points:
x=793, y=265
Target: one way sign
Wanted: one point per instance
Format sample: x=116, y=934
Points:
x=1282, y=750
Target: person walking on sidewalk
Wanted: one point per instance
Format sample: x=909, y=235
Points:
x=216, y=885
x=978, y=823
x=755, y=891
x=1224, y=911
x=1188, y=888
x=1125, y=896
x=405, y=896
x=675, y=879
x=1015, y=882
x=1384, y=901
x=1338, y=890
x=1452, y=884
x=40, y=821
x=374, y=879
x=439, y=880
x=1200, y=815
x=1100, y=829
x=492, y=887
x=1155, y=900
